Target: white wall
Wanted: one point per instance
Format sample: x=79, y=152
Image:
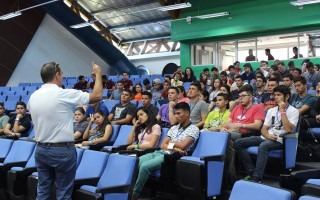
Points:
x=52, y=42
x=156, y=65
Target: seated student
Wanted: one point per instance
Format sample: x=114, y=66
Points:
x=94, y=107
x=288, y=81
x=219, y=116
x=302, y=100
x=204, y=96
x=82, y=84
x=226, y=90
x=237, y=84
x=116, y=94
x=146, y=83
x=176, y=81
x=156, y=89
x=107, y=83
x=198, y=108
x=145, y=132
x=182, y=96
x=80, y=124
x=123, y=112
x=267, y=100
x=137, y=90
x=166, y=86
x=180, y=138
x=246, y=118
x=259, y=92
x=99, y=133
x=3, y=118
x=215, y=88
x=19, y=125
x=166, y=114
x=248, y=73
x=146, y=102
x=279, y=120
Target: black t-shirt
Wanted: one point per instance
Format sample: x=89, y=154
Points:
x=24, y=121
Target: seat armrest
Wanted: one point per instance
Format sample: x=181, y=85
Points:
x=27, y=171
x=290, y=135
x=115, y=189
x=8, y=166
x=304, y=175
x=86, y=181
x=213, y=158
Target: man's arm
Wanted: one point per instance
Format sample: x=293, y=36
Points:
x=225, y=126
x=96, y=94
x=203, y=119
x=264, y=133
x=110, y=116
x=172, y=118
x=256, y=125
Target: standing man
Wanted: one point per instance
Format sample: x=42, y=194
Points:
x=279, y=120
x=295, y=52
x=302, y=100
x=127, y=83
x=251, y=57
x=198, y=108
x=268, y=53
x=51, y=110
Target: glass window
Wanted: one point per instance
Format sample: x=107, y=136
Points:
x=202, y=54
x=247, y=50
x=226, y=54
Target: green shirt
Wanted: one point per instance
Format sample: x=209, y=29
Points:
x=216, y=119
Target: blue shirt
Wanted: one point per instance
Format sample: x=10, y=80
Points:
x=90, y=109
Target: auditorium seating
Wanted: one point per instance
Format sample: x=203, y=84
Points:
x=121, y=138
x=312, y=187
x=289, y=151
x=115, y=182
x=17, y=179
x=5, y=148
x=246, y=190
x=200, y=175
x=307, y=197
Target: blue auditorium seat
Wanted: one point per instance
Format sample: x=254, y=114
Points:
x=110, y=104
x=289, y=151
x=3, y=98
x=115, y=132
x=312, y=187
x=12, y=93
x=31, y=88
x=200, y=175
x=13, y=98
x=10, y=105
x=121, y=138
x=246, y=190
x=24, y=84
x=105, y=93
x=312, y=92
x=186, y=85
x=17, y=88
x=17, y=178
x=115, y=182
x=22, y=93
x=306, y=197
x=5, y=145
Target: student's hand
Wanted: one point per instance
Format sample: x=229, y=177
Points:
x=182, y=152
x=223, y=129
x=272, y=137
x=235, y=127
x=131, y=147
x=172, y=104
x=137, y=123
x=19, y=116
x=282, y=106
x=91, y=118
x=85, y=143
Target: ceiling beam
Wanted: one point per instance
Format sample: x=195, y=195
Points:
x=151, y=21
x=122, y=7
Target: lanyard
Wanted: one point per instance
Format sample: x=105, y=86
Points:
x=243, y=113
x=220, y=118
x=181, y=131
x=192, y=107
x=144, y=132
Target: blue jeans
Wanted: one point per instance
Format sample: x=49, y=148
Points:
x=241, y=145
x=55, y=165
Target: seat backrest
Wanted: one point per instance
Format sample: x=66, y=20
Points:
x=164, y=132
x=13, y=98
x=246, y=190
x=92, y=164
x=110, y=104
x=115, y=132
x=5, y=146
x=120, y=170
x=308, y=198
x=17, y=88
x=31, y=162
x=20, y=151
x=211, y=143
x=123, y=135
x=79, y=155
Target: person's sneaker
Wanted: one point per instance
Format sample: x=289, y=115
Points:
x=247, y=178
x=256, y=179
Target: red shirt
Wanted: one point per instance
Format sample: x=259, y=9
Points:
x=127, y=83
x=247, y=116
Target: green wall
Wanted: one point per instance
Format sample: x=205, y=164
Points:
x=247, y=19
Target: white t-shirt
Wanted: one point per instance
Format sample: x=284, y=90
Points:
x=51, y=109
x=273, y=121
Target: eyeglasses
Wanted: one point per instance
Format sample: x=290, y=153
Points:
x=244, y=95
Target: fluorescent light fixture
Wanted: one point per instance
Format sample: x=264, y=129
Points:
x=19, y=12
x=10, y=15
x=303, y=2
x=175, y=6
x=212, y=15
x=81, y=25
x=123, y=30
